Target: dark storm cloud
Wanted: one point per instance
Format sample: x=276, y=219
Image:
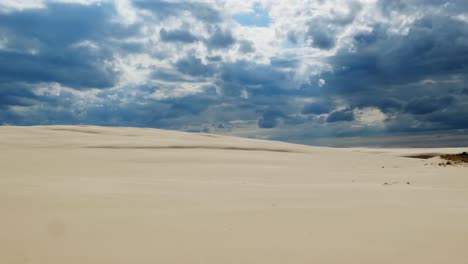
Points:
x=389, y=104
x=216, y=37
x=189, y=105
x=246, y=47
x=451, y=118
x=74, y=45
x=316, y=108
x=322, y=38
x=164, y=9
x=427, y=105
x=61, y=60
x=130, y=106
x=43, y=45
x=167, y=75
x=194, y=66
x=286, y=63
x=414, y=73
x=16, y=95
x=340, y=115
x=408, y=6
x=74, y=67
x=215, y=58
x=252, y=74
x=322, y=32
x=269, y=119
x=220, y=39
x=177, y=35
x=59, y=25
x=258, y=79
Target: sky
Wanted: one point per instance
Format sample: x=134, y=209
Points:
x=306, y=71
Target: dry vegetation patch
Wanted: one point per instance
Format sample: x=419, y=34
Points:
x=456, y=158
x=421, y=156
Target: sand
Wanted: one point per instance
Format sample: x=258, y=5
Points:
x=71, y=194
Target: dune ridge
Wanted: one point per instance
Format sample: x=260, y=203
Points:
x=189, y=147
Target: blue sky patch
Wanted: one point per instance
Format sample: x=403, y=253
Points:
x=258, y=18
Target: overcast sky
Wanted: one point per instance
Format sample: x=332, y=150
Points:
x=293, y=70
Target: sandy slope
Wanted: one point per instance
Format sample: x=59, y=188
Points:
x=125, y=195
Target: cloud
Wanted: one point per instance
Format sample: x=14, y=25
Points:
x=316, y=108
x=427, y=105
x=177, y=35
x=341, y=115
x=290, y=70
x=246, y=47
x=269, y=119
x=194, y=66
x=407, y=75
x=220, y=39
x=369, y=116
x=16, y=95
x=324, y=30
x=166, y=9
x=42, y=45
x=321, y=38
x=321, y=82
x=252, y=74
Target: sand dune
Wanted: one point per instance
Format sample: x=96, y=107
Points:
x=71, y=194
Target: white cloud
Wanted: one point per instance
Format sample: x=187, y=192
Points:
x=177, y=91
x=11, y=5
x=321, y=82
x=127, y=14
x=369, y=116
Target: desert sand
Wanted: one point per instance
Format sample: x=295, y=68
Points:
x=71, y=194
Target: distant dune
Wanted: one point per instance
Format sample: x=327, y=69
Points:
x=84, y=194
